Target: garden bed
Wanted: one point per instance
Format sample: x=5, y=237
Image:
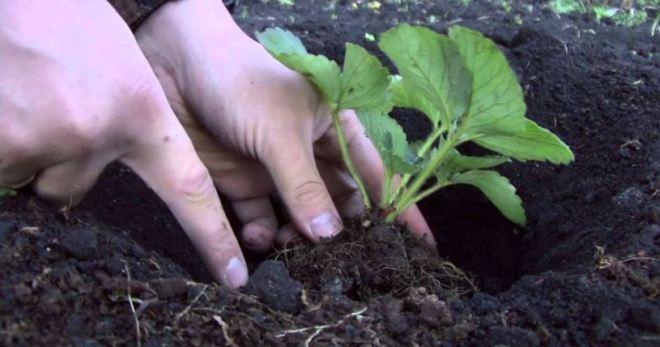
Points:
x=584, y=271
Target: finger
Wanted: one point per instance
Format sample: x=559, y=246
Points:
x=292, y=165
x=259, y=223
x=370, y=167
x=68, y=182
x=16, y=174
x=342, y=188
x=167, y=162
x=13, y=183
x=288, y=235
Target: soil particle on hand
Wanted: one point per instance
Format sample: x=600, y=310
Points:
x=273, y=285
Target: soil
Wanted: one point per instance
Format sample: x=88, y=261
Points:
x=585, y=270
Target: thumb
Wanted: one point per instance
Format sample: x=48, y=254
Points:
x=168, y=163
x=294, y=172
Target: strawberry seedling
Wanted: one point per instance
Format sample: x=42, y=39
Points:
x=461, y=82
x=361, y=84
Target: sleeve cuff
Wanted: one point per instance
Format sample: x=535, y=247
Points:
x=135, y=12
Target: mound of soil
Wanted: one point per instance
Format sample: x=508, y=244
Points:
x=585, y=271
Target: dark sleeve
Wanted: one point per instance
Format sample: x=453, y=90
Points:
x=136, y=11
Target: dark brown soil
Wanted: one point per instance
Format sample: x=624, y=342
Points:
x=585, y=271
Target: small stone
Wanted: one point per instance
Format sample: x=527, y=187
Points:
x=630, y=198
x=272, y=284
x=82, y=243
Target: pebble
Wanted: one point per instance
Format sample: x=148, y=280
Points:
x=629, y=198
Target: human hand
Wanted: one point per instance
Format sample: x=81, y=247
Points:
x=268, y=129
x=76, y=93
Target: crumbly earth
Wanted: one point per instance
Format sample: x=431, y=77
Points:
x=585, y=271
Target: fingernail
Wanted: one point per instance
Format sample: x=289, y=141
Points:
x=236, y=273
x=325, y=225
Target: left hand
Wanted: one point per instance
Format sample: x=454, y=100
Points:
x=259, y=127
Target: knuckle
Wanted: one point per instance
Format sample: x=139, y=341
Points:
x=75, y=123
x=80, y=130
x=147, y=102
x=196, y=185
x=310, y=193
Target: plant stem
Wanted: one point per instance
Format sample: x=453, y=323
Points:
x=346, y=156
x=421, y=196
x=426, y=146
x=420, y=179
x=387, y=187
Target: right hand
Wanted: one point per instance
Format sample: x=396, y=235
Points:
x=76, y=93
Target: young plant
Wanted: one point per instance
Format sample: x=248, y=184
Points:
x=361, y=84
x=463, y=84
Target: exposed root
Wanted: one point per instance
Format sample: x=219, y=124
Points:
x=138, y=336
x=187, y=309
x=228, y=340
x=317, y=329
x=627, y=270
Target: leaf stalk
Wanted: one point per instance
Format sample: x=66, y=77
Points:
x=410, y=194
x=346, y=156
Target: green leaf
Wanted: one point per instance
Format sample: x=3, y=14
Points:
x=457, y=163
x=5, y=192
x=390, y=141
x=403, y=95
x=364, y=81
x=432, y=70
x=279, y=41
x=322, y=72
x=498, y=190
x=497, y=104
x=532, y=143
x=378, y=125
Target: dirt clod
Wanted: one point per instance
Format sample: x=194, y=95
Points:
x=272, y=284
x=81, y=243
